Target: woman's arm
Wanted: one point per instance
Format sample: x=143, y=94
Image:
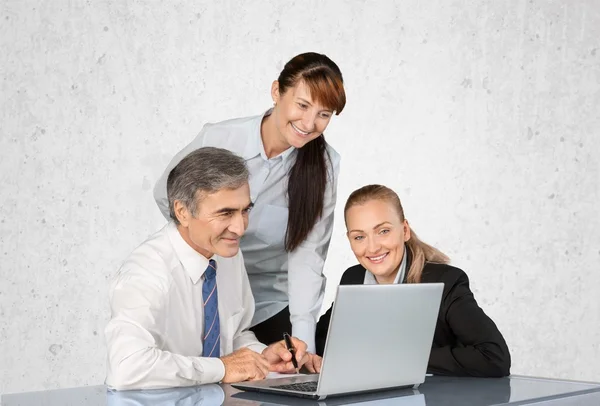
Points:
x=305, y=267
x=480, y=349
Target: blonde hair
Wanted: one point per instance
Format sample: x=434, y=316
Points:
x=421, y=252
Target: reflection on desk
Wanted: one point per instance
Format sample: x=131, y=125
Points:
x=436, y=391
x=211, y=394
x=441, y=390
x=403, y=397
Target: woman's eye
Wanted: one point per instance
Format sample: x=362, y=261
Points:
x=358, y=238
x=302, y=105
x=384, y=231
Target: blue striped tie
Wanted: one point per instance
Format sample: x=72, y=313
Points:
x=212, y=328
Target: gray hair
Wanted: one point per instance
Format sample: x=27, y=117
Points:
x=204, y=171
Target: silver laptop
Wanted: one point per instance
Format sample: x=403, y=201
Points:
x=379, y=338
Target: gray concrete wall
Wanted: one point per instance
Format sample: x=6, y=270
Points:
x=482, y=115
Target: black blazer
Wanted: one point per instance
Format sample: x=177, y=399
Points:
x=466, y=341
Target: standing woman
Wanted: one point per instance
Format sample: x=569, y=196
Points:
x=293, y=182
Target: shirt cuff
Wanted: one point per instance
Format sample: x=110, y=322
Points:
x=212, y=369
x=305, y=331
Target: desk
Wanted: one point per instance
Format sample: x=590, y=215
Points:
x=436, y=391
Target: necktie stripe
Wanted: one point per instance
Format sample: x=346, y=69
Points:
x=211, y=293
x=211, y=326
x=215, y=346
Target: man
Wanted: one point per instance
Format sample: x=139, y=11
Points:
x=181, y=303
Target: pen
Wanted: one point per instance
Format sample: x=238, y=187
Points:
x=291, y=349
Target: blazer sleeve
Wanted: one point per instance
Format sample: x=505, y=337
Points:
x=480, y=349
x=321, y=332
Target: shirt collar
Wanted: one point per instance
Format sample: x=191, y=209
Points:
x=255, y=145
x=192, y=261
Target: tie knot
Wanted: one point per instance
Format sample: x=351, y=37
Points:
x=211, y=269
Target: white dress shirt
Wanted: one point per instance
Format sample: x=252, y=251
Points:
x=277, y=278
x=154, y=336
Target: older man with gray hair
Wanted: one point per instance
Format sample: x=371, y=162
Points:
x=181, y=303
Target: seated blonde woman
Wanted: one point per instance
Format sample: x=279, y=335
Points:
x=466, y=341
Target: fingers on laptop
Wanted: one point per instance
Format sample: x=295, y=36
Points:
x=313, y=364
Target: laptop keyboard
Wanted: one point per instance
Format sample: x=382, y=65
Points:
x=300, y=387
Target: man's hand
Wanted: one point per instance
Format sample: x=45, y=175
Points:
x=244, y=365
x=280, y=359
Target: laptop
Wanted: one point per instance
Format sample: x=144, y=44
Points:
x=379, y=338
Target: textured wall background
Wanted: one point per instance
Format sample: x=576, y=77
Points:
x=482, y=115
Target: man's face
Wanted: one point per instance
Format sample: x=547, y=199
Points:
x=220, y=221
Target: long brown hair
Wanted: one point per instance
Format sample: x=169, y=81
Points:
x=308, y=177
x=420, y=252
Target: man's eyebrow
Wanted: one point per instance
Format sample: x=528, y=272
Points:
x=231, y=209
x=224, y=210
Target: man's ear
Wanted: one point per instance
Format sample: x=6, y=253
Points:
x=182, y=213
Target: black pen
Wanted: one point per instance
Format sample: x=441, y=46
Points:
x=291, y=349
